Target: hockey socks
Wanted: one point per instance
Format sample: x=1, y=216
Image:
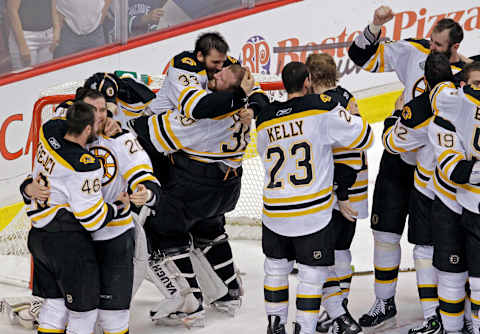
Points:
x=426, y=279
x=387, y=254
x=451, y=293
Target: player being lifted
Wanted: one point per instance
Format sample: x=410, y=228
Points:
x=204, y=183
x=69, y=283
x=407, y=130
x=295, y=140
x=395, y=177
x=454, y=136
x=351, y=178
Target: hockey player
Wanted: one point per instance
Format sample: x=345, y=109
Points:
x=204, y=183
x=126, y=168
x=295, y=140
x=351, y=189
x=68, y=282
x=126, y=97
x=395, y=178
x=407, y=131
x=453, y=134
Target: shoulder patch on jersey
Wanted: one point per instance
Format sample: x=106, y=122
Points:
x=442, y=122
x=325, y=98
x=421, y=44
x=473, y=92
x=119, y=134
x=188, y=62
x=229, y=61
x=341, y=95
x=416, y=111
x=87, y=159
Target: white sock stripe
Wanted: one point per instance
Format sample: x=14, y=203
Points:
x=224, y=264
x=206, y=249
x=187, y=275
x=230, y=279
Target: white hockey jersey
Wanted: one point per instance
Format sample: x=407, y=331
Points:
x=410, y=133
x=295, y=140
x=356, y=159
x=74, y=178
x=126, y=112
x=458, y=139
x=405, y=57
x=125, y=165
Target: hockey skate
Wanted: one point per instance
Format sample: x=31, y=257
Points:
x=467, y=327
x=324, y=322
x=274, y=326
x=432, y=325
x=380, y=317
x=189, y=320
x=344, y=324
x=296, y=328
x=22, y=310
x=229, y=304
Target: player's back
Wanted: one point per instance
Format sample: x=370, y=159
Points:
x=295, y=141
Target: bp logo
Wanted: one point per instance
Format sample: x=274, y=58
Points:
x=108, y=161
x=256, y=55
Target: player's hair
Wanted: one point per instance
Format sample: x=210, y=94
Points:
x=83, y=93
x=455, y=34
x=469, y=68
x=437, y=69
x=239, y=72
x=323, y=69
x=211, y=40
x=79, y=116
x=293, y=76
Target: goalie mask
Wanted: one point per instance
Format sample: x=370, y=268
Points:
x=105, y=83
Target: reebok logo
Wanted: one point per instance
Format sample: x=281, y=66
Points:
x=283, y=112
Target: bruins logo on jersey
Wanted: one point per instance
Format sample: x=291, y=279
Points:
x=232, y=60
x=325, y=98
x=87, y=159
x=108, y=161
x=419, y=87
x=406, y=113
x=189, y=61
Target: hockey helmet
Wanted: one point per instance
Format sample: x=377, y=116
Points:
x=105, y=83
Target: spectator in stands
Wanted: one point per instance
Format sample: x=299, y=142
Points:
x=34, y=28
x=4, y=56
x=81, y=25
x=144, y=16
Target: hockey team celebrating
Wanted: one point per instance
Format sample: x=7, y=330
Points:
x=130, y=185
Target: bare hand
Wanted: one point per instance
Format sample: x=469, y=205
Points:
x=141, y=196
x=37, y=190
x=111, y=127
x=353, y=108
x=399, y=102
x=347, y=210
x=154, y=15
x=382, y=15
x=465, y=59
x=246, y=116
x=123, y=197
x=25, y=56
x=247, y=82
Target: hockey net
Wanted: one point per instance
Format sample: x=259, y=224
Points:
x=242, y=223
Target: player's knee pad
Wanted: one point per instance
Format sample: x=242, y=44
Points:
x=113, y=321
x=343, y=258
x=452, y=280
x=53, y=314
x=386, y=239
x=82, y=322
x=277, y=267
x=313, y=276
x=423, y=256
x=474, y=285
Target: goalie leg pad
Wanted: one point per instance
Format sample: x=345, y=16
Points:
x=140, y=259
x=173, y=275
x=82, y=322
x=114, y=321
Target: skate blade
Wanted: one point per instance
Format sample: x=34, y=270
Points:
x=387, y=324
x=196, y=319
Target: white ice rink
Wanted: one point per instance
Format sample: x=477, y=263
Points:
x=249, y=258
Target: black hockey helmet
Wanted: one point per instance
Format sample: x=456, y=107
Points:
x=105, y=83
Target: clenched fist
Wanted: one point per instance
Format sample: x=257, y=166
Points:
x=382, y=15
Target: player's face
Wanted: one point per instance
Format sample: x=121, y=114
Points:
x=224, y=80
x=214, y=62
x=440, y=42
x=474, y=78
x=100, y=113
